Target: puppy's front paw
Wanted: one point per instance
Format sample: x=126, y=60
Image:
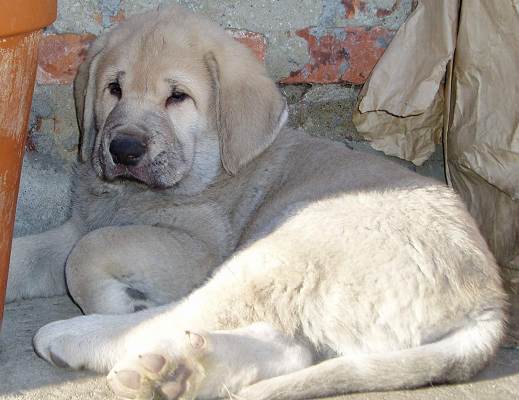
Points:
x=156, y=376
x=58, y=344
x=81, y=342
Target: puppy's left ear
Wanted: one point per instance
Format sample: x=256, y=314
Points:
x=249, y=109
x=84, y=97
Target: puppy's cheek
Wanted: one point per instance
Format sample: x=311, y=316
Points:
x=162, y=173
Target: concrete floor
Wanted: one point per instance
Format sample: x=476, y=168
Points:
x=23, y=376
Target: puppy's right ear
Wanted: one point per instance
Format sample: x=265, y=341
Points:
x=84, y=98
x=249, y=109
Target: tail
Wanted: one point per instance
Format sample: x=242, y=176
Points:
x=454, y=358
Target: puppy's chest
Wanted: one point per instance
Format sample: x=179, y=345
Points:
x=109, y=205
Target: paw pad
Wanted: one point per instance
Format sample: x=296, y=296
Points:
x=130, y=379
x=152, y=376
x=152, y=362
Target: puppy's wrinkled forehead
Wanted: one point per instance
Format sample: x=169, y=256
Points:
x=151, y=56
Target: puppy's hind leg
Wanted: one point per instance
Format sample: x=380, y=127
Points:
x=123, y=269
x=455, y=358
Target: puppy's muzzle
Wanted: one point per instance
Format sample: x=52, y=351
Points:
x=127, y=150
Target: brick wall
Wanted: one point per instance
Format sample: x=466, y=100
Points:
x=319, y=51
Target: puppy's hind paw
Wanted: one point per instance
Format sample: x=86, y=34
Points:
x=153, y=376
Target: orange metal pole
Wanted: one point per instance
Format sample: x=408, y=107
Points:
x=20, y=32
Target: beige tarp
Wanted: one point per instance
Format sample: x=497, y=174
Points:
x=472, y=48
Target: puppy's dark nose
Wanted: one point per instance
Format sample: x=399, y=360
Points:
x=127, y=150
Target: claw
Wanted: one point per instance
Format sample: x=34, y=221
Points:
x=196, y=340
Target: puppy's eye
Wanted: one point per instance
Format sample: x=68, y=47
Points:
x=176, y=97
x=115, y=89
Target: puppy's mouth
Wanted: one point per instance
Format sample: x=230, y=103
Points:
x=152, y=173
x=137, y=173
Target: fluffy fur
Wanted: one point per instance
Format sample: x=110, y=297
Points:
x=332, y=271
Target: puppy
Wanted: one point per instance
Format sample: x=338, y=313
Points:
x=331, y=271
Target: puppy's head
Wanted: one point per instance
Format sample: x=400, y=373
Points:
x=168, y=99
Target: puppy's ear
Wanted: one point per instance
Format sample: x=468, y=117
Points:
x=84, y=98
x=249, y=109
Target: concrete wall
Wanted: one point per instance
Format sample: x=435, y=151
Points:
x=320, y=52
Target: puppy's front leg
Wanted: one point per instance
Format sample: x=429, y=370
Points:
x=37, y=267
x=94, y=342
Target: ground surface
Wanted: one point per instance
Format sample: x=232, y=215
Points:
x=23, y=376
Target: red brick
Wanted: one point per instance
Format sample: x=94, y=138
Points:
x=114, y=19
x=119, y=17
x=60, y=57
x=345, y=54
x=385, y=12
x=353, y=7
x=254, y=41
